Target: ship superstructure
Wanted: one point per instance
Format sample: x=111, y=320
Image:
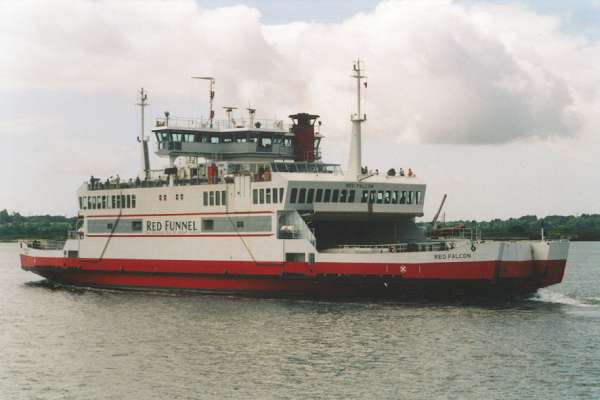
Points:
x=248, y=205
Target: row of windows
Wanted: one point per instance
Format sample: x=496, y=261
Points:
x=267, y=196
x=107, y=202
x=307, y=196
x=163, y=197
x=214, y=198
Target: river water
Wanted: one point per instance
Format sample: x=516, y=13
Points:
x=58, y=343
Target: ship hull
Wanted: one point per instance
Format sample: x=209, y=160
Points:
x=318, y=280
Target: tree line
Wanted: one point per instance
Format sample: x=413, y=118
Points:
x=582, y=227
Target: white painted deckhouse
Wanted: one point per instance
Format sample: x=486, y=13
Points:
x=248, y=205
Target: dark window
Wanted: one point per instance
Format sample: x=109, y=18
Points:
x=113, y=201
x=319, y=196
x=239, y=224
x=302, y=197
x=208, y=224
x=372, y=196
x=293, y=195
x=80, y=202
x=205, y=198
x=217, y=198
x=351, y=196
x=128, y=201
x=387, y=197
x=309, y=195
x=403, y=197
x=133, y=200
x=380, y=197
x=181, y=196
x=103, y=201
x=177, y=196
x=327, y=196
x=223, y=197
x=136, y=226
x=109, y=226
x=417, y=197
x=410, y=197
x=395, y=197
x=275, y=192
x=211, y=198
x=334, y=195
x=261, y=193
x=281, y=195
x=364, y=196
x=255, y=196
x=123, y=200
x=343, y=196
x=268, y=195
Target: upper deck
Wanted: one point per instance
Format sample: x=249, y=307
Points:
x=243, y=139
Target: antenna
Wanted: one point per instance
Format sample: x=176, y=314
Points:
x=211, y=96
x=229, y=110
x=251, y=113
x=142, y=139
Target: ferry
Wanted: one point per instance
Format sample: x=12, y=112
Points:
x=248, y=206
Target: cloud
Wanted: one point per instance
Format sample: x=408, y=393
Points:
x=439, y=72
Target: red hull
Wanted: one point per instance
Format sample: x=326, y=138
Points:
x=303, y=279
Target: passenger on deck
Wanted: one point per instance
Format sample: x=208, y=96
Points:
x=401, y=172
x=410, y=173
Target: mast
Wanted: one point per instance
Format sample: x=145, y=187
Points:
x=145, y=173
x=211, y=97
x=353, y=169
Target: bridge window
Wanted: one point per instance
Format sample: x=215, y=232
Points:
x=351, y=196
x=293, y=195
x=262, y=196
x=302, y=197
x=327, y=196
x=255, y=196
x=334, y=195
x=268, y=195
x=343, y=195
x=319, y=196
x=310, y=195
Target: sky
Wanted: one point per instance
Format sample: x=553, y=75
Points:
x=495, y=103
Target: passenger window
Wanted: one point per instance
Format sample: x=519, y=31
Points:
x=211, y=198
x=410, y=197
x=417, y=197
x=387, y=198
x=334, y=195
x=181, y=196
x=302, y=197
x=403, y=197
x=309, y=196
x=255, y=196
x=136, y=226
x=275, y=199
x=208, y=224
x=113, y=201
x=351, y=196
x=268, y=192
x=343, y=195
x=364, y=196
x=239, y=224
x=223, y=198
x=395, y=197
x=281, y=195
x=261, y=194
x=205, y=198
x=380, y=197
x=319, y=195
x=217, y=198
x=133, y=201
x=177, y=197
x=327, y=196
x=372, y=196
x=128, y=201
x=293, y=195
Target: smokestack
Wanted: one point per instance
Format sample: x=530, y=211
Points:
x=304, y=132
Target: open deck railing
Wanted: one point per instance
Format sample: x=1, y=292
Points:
x=401, y=247
x=234, y=123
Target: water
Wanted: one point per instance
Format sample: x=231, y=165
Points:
x=57, y=343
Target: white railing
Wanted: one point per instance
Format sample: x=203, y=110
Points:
x=43, y=244
x=204, y=123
